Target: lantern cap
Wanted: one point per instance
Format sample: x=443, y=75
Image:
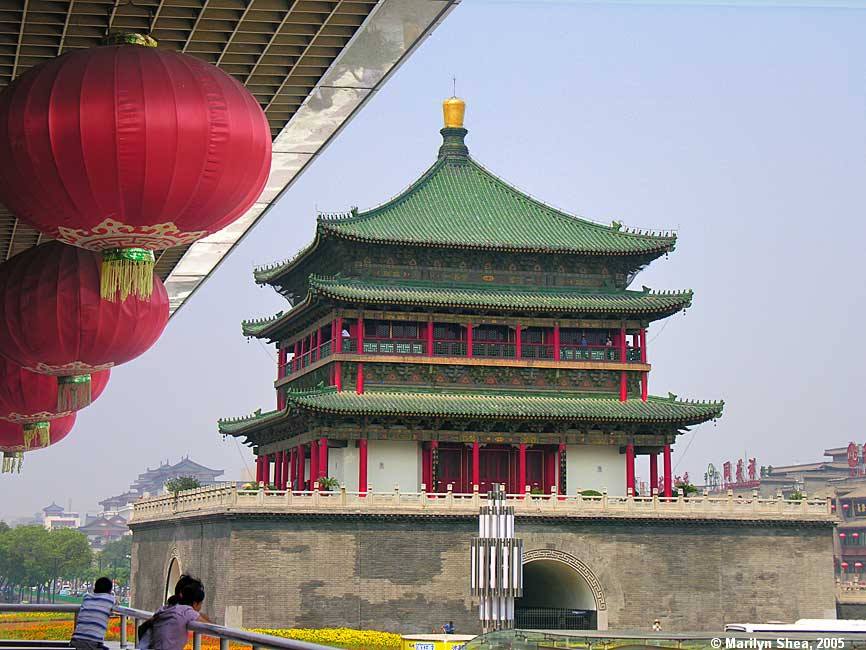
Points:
x=453, y=133
x=130, y=38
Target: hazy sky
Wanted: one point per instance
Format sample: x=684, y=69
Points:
x=743, y=128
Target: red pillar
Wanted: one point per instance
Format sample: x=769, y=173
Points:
x=556, y=352
x=266, y=469
x=644, y=388
x=642, y=344
x=362, y=466
x=429, y=341
x=323, y=457
x=259, y=469
x=426, y=466
x=654, y=472
x=338, y=375
x=521, y=468
x=359, y=380
x=629, y=468
x=434, y=446
x=302, y=467
x=359, y=335
x=314, y=462
x=550, y=455
x=278, y=469
x=518, y=344
x=623, y=386
x=668, y=491
x=468, y=339
x=560, y=488
x=476, y=464
x=296, y=359
x=318, y=343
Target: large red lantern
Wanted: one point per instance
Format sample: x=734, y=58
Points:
x=14, y=440
x=56, y=324
x=30, y=399
x=126, y=149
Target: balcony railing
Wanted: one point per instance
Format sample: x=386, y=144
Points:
x=228, y=496
x=494, y=350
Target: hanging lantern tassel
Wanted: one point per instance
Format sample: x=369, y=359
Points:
x=126, y=271
x=38, y=432
x=12, y=461
x=73, y=392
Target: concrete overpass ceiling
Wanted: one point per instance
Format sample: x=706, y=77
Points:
x=310, y=63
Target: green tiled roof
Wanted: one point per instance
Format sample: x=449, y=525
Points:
x=497, y=405
x=494, y=296
x=457, y=203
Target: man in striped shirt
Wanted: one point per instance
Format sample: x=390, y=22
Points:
x=93, y=616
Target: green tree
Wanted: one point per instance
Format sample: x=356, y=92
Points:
x=116, y=557
x=182, y=483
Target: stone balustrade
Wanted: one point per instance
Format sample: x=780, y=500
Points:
x=227, y=498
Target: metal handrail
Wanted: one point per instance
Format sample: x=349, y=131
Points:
x=199, y=629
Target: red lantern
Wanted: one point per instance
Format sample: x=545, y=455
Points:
x=844, y=506
x=844, y=565
x=126, y=150
x=841, y=535
x=14, y=440
x=858, y=565
x=30, y=399
x=56, y=324
x=855, y=535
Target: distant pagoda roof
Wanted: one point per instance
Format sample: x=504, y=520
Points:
x=489, y=405
x=474, y=296
x=457, y=203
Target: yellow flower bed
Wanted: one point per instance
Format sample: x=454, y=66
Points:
x=341, y=637
x=23, y=617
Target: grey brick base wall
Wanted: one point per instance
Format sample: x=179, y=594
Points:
x=409, y=574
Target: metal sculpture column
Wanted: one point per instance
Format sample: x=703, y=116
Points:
x=496, y=563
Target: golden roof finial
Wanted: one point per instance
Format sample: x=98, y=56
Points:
x=453, y=110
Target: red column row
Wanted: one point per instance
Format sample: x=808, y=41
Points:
x=667, y=488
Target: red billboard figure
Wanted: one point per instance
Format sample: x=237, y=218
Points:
x=741, y=478
x=753, y=473
x=726, y=473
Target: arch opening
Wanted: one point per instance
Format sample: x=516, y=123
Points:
x=171, y=578
x=555, y=597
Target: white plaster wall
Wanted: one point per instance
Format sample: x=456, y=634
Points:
x=343, y=465
x=595, y=467
x=394, y=462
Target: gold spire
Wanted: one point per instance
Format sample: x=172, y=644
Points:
x=453, y=110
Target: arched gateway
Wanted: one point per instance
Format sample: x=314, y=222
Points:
x=559, y=593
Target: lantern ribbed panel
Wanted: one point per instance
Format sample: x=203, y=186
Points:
x=27, y=396
x=127, y=146
x=56, y=323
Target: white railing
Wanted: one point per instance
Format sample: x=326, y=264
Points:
x=224, y=634
x=229, y=498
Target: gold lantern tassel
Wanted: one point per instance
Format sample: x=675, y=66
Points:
x=73, y=392
x=39, y=432
x=126, y=271
x=12, y=462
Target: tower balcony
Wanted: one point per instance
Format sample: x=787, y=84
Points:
x=418, y=340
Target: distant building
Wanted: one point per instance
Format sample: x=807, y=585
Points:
x=54, y=517
x=153, y=481
x=101, y=530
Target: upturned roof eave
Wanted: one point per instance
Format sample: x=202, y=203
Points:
x=281, y=320
x=300, y=401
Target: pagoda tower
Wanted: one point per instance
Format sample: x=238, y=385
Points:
x=464, y=334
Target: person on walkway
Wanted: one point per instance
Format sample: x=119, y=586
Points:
x=92, y=621
x=448, y=628
x=167, y=629
x=657, y=625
